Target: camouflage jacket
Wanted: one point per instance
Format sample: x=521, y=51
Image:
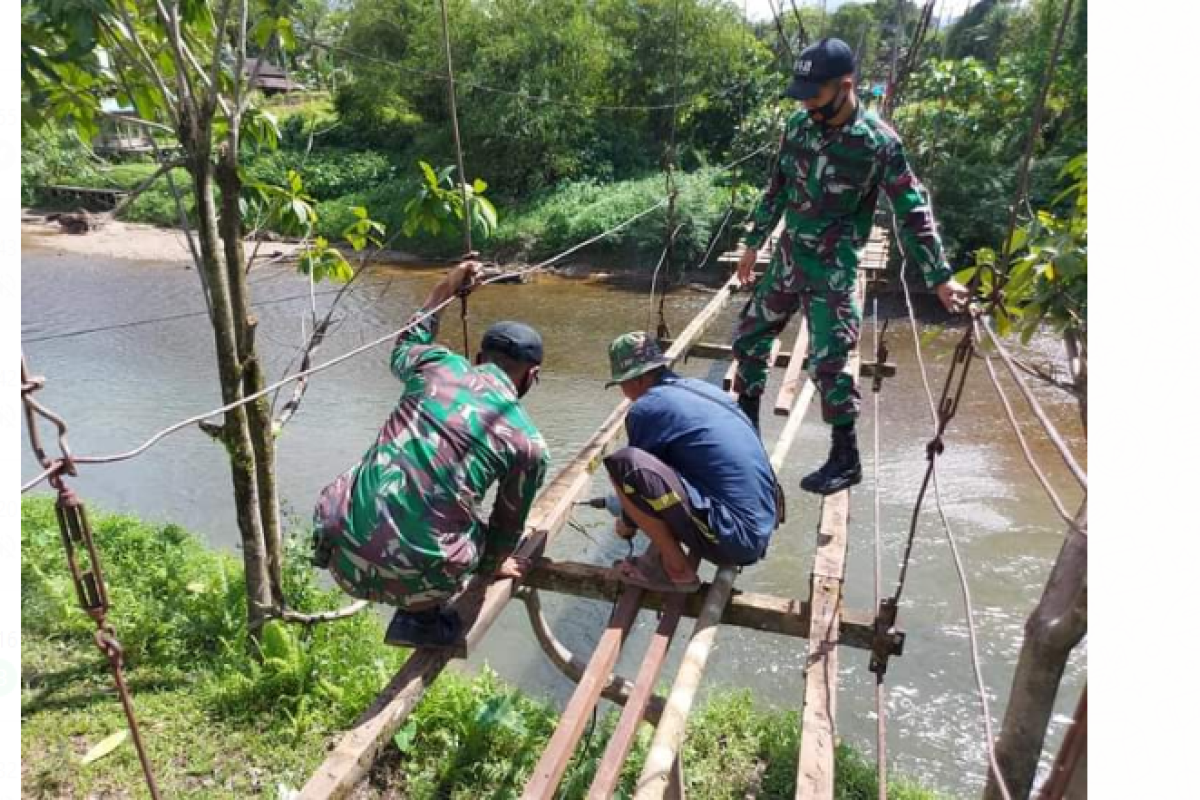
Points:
x=414, y=500
x=826, y=184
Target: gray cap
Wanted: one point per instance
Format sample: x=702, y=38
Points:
x=514, y=339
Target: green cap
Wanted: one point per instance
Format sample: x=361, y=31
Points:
x=633, y=354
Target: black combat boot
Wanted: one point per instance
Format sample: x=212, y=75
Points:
x=750, y=406
x=434, y=627
x=843, y=468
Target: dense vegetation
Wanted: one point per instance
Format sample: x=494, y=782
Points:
x=565, y=111
x=220, y=723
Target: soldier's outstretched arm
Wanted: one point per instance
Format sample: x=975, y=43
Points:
x=412, y=345
x=914, y=214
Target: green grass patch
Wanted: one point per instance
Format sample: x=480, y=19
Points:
x=221, y=724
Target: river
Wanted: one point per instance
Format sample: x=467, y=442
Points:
x=116, y=387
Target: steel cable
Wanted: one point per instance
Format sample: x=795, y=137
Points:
x=972, y=633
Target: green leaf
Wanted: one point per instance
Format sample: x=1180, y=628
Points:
x=261, y=34
x=359, y=211
x=430, y=177
x=105, y=746
x=1019, y=237
x=287, y=37
x=301, y=210
x=964, y=276
x=502, y=713
x=479, y=185
x=405, y=737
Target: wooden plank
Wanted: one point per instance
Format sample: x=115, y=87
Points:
x=617, y=690
x=359, y=748
x=356, y=751
x=818, y=731
x=721, y=352
x=664, y=748
x=794, y=376
x=784, y=616
x=818, y=737
x=608, y=774
x=791, y=429
x=553, y=764
x=555, y=504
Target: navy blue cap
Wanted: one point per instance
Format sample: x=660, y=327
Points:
x=514, y=339
x=817, y=64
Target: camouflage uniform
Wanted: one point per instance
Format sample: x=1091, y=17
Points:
x=404, y=525
x=825, y=186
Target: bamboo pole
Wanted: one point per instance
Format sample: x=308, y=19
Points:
x=664, y=749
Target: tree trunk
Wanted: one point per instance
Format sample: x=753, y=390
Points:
x=236, y=435
x=258, y=412
x=1057, y=624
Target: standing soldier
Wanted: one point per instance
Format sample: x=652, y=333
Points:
x=833, y=159
x=404, y=526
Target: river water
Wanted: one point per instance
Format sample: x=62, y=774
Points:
x=118, y=386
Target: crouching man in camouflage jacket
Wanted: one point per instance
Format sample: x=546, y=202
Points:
x=404, y=526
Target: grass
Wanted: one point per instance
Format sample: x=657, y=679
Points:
x=220, y=724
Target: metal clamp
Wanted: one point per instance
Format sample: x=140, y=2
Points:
x=888, y=640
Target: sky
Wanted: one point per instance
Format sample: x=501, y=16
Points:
x=761, y=9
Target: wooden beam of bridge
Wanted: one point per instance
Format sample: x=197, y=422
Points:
x=663, y=758
x=548, y=773
x=818, y=722
x=761, y=612
x=608, y=774
x=721, y=352
x=354, y=754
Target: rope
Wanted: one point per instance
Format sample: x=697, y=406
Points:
x=51, y=467
x=880, y=697
x=416, y=320
x=458, y=153
x=1012, y=421
x=654, y=280
x=933, y=452
x=1039, y=412
x=672, y=229
x=1035, y=125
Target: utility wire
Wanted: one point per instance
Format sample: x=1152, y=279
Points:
x=543, y=99
x=168, y=318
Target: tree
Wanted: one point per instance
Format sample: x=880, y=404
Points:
x=181, y=66
x=1046, y=286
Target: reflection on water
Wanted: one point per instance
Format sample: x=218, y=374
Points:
x=117, y=387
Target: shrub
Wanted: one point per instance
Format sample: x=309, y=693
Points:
x=555, y=220
x=327, y=173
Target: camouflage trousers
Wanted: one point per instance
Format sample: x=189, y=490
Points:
x=413, y=587
x=834, y=319
x=383, y=569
